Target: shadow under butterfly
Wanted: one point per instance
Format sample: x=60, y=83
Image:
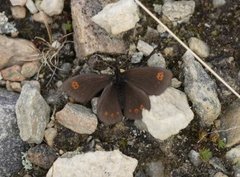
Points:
x=123, y=93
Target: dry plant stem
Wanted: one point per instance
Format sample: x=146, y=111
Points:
x=187, y=48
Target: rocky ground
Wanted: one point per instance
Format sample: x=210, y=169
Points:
x=192, y=129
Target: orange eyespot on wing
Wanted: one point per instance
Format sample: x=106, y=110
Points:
x=75, y=85
x=160, y=75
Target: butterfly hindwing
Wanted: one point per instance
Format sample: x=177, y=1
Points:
x=109, y=109
x=135, y=101
x=85, y=86
x=152, y=80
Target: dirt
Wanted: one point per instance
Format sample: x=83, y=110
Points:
x=217, y=27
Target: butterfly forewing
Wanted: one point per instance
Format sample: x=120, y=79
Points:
x=85, y=86
x=152, y=80
x=135, y=101
x=108, y=109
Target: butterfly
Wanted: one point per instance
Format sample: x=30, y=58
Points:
x=124, y=93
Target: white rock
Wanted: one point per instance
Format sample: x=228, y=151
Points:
x=33, y=113
x=41, y=17
x=77, y=118
x=233, y=155
x=91, y=164
x=178, y=11
x=157, y=60
x=136, y=57
x=198, y=46
x=218, y=3
x=176, y=83
x=160, y=29
x=18, y=12
x=169, y=114
x=118, y=17
x=157, y=8
x=52, y=7
x=18, y=2
x=31, y=6
x=144, y=47
x=201, y=90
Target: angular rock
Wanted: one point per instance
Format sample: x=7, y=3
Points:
x=6, y=27
x=18, y=12
x=77, y=118
x=118, y=17
x=157, y=60
x=33, y=113
x=144, y=47
x=198, y=46
x=176, y=83
x=112, y=163
x=30, y=69
x=233, y=155
x=31, y=6
x=15, y=86
x=12, y=73
x=50, y=135
x=137, y=57
x=18, y=2
x=52, y=7
x=169, y=114
x=89, y=38
x=11, y=144
x=42, y=156
x=178, y=11
x=230, y=121
x=201, y=90
x=16, y=51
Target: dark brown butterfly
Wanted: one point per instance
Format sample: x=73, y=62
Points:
x=127, y=91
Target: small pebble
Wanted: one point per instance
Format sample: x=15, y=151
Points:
x=194, y=158
x=31, y=6
x=18, y=12
x=157, y=60
x=12, y=73
x=49, y=135
x=198, y=46
x=218, y=3
x=137, y=57
x=30, y=69
x=15, y=86
x=176, y=83
x=145, y=48
x=157, y=8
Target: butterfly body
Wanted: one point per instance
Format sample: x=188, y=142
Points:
x=127, y=91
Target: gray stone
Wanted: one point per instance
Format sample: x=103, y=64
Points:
x=18, y=12
x=11, y=144
x=33, y=113
x=31, y=6
x=118, y=17
x=233, y=155
x=218, y=3
x=220, y=174
x=178, y=11
x=157, y=8
x=52, y=7
x=169, y=114
x=144, y=47
x=194, y=158
x=5, y=26
x=111, y=163
x=156, y=60
x=198, y=46
x=155, y=169
x=201, y=90
x=176, y=83
x=137, y=57
x=230, y=122
x=77, y=118
x=89, y=38
x=217, y=164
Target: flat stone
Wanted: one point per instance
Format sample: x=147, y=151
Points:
x=118, y=17
x=230, y=121
x=42, y=156
x=52, y=7
x=18, y=2
x=16, y=51
x=169, y=114
x=201, y=90
x=111, y=163
x=198, y=46
x=31, y=6
x=233, y=155
x=144, y=47
x=156, y=60
x=11, y=144
x=33, y=113
x=89, y=38
x=29, y=69
x=18, y=12
x=77, y=118
x=178, y=11
x=12, y=73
